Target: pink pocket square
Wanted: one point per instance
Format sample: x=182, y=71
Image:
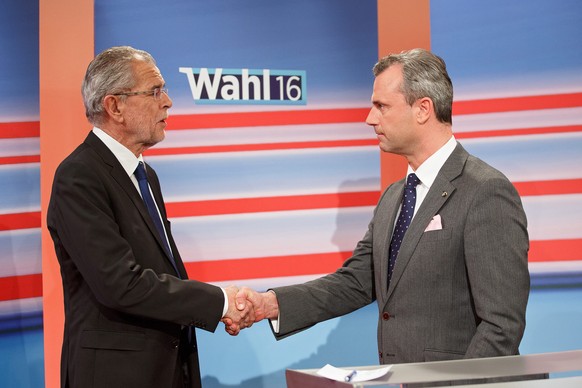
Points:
x=434, y=224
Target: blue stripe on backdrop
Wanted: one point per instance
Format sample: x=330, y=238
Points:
x=20, y=188
x=554, y=217
x=20, y=252
x=21, y=321
x=500, y=39
x=556, y=280
x=270, y=134
x=270, y=234
x=19, y=60
x=553, y=321
x=531, y=158
x=22, y=359
x=20, y=146
x=281, y=172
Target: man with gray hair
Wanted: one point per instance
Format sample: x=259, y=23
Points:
x=445, y=254
x=130, y=310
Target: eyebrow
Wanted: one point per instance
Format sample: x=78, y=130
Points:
x=159, y=85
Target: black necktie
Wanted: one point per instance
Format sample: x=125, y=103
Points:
x=406, y=213
x=142, y=180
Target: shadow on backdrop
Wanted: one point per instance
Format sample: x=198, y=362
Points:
x=353, y=340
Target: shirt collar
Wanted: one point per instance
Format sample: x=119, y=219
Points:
x=428, y=170
x=125, y=157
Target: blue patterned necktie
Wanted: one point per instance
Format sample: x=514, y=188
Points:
x=406, y=213
x=142, y=180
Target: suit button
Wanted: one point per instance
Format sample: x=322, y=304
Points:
x=176, y=344
x=385, y=316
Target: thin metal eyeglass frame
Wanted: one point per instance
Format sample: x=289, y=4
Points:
x=156, y=92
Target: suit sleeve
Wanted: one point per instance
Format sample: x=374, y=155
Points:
x=349, y=288
x=496, y=247
x=100, y=242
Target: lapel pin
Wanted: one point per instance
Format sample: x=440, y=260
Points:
x=444, y=194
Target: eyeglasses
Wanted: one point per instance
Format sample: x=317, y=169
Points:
x=157, y=93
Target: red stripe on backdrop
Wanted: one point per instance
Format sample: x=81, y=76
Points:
x=260, y=147
x=25, y=129
x=258, y=119
x=553, y=187
x=322, y=201
x=20, y=159
x=518, y=131
x=266, y=267
x=20, y=287
x=271, y=204
x=348, y=143
x=30, y=286
x=321, y=263
x=313, y=144
x=555, y=250
x=19, y=129
x=508, y=104
x=15, y=221
x=329, y=116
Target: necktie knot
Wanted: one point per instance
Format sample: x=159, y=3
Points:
x=140, y=172
x=412, y=181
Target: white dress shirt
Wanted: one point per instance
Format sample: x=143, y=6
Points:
x=428, y=170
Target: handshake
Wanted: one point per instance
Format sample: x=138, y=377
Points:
x=247, y=306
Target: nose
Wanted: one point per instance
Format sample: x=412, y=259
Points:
x=371, y=119
x=167, y=101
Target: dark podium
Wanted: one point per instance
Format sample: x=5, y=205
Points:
x=461, y=373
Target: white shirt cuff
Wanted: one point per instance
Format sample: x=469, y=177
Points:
x=225, y=307
x=275, y=324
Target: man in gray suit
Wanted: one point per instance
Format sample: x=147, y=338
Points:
x=460, y=283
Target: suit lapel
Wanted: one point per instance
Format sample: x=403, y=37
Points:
x=439, y=193
x=120, y=176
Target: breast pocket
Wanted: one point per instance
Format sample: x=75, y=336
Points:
x=437, y=235
x=436, y=254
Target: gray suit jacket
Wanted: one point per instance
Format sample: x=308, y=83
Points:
x=458, y=292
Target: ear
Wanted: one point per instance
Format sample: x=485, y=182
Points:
x=425, y=108
x=113, y=107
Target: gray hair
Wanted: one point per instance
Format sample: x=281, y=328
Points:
x=109, y=72
x=425, y=75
